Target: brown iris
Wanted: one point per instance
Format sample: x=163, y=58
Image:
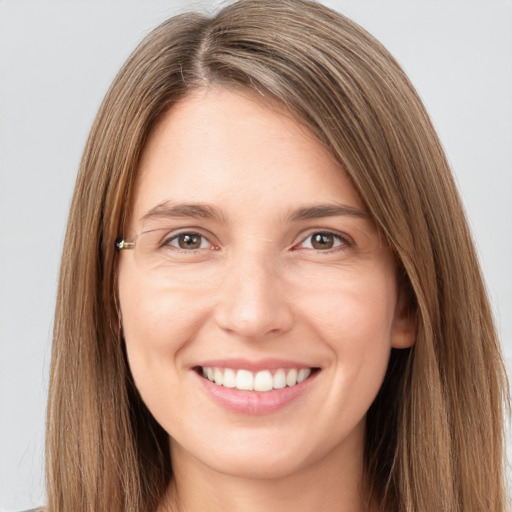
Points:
x=189, y=241
x=322, y=241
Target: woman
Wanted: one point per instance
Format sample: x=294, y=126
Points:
x=264, y=297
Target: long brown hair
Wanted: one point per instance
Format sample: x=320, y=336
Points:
x=434, y=437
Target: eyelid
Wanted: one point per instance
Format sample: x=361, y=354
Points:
x=346, y=241
x=171, y=233
x=174, y=235
x=174, y=238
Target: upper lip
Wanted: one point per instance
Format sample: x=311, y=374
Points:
x=253, y=365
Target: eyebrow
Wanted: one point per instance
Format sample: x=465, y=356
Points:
x=327, y=210
x=205, y=211
x=193, y=210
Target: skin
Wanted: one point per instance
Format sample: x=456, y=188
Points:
x=257, y=288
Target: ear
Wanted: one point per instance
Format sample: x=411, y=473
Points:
x=404, y=323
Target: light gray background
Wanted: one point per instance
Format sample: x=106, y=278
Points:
x=57, y=59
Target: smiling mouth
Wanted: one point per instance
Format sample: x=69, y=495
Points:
x=261, y=381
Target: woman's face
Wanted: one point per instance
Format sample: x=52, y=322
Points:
x=258, y=267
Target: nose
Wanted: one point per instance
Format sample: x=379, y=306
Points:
x=253, y=300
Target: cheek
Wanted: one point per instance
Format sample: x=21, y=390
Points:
x=157, y=324
x=156, y=327
x=155, y=318
x=356, y=321
x=354, y=313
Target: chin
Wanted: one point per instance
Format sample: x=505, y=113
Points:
x=262, y=466
x=270, y=454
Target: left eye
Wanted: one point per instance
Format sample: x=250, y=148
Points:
x=189, y=241
x=323, y=241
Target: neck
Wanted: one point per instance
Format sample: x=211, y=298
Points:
x=332, y=484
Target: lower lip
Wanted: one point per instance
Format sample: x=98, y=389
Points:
x=255, y=402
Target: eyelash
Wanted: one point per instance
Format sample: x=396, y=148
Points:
x=341, y=242
x=167, y=242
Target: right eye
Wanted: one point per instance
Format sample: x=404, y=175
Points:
x=188, y=241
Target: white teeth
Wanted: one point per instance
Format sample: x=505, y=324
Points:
x=263, y=381
x=291, y=378
x=304, y=373
x=260, y=381
x=229, y=378
x=218, y=376
x=244, y=380
x=279, y=381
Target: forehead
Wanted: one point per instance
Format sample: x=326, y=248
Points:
x=228, y=148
